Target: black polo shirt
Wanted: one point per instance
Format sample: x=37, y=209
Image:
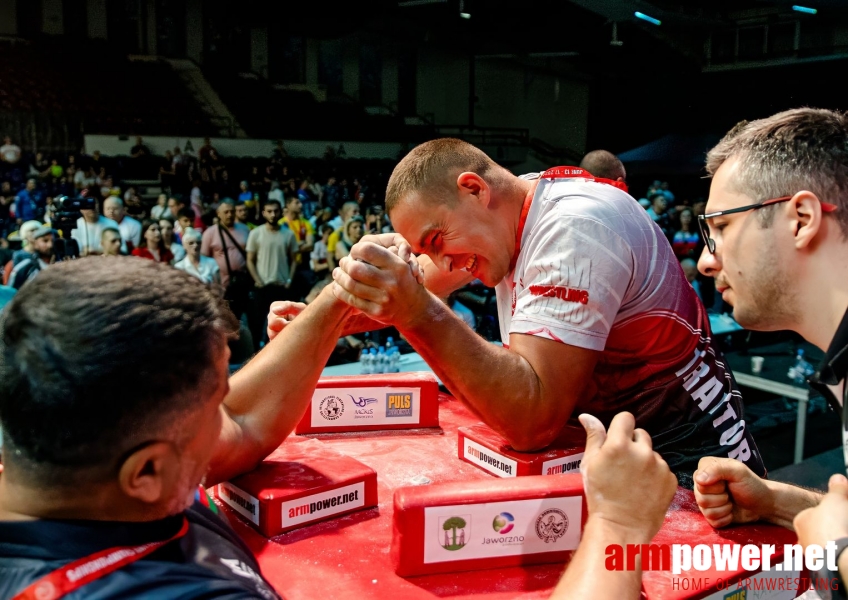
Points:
x=210, y=561
x=833, y=370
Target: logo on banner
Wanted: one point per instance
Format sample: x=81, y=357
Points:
x=551, y=525
x=503, y=523
x=331, y=408
x=362, y=402
x=398, y=405
x=454, y=532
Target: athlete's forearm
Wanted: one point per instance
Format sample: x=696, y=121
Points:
x=493, y=381
x=586, y=575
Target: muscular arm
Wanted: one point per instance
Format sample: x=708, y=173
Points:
x=536, y=379
x=268, y=397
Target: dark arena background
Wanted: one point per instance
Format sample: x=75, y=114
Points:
x=172, y=116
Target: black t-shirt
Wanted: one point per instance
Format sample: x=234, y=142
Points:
x=210, y=561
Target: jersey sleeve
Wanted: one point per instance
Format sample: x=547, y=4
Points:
x=572, y=282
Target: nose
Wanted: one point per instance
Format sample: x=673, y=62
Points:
x=709, y=263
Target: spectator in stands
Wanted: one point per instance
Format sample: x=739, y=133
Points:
x=111, y=242
x=161, y=210
x=89, y=230
x=276, y=193
x=318, y=257
x=131, y=229
x=332, y=194
x=166, y=170
x=25, y=235
x=375, y=219
x=6, y=201
x=166, y=227
x=185, y=220
x=352, y=232
x=152, y=245
x=205, y=150
x=686, y=239
x=690, y=269
x=658, y=211
x=10, y=155
x=305, y=235
x=225, y=242
x=41, y=257
x=271, y=259
x=29, y=203
x=242, y=217
x=605, y=164
x=347, y=212
x=85, y=178
x=175, y=205
x=244, y=192
x=139, y=150
x=50, y=207
x=204, y=268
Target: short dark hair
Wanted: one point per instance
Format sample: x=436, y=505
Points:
x=99, y=355
x=603, y=163
x=186, y=212
x=656, y=195
x=277, y=202
x=793, y=150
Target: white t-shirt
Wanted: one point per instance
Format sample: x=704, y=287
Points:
x=130, y=231
x=207, y=271
x=87, y=234
x=10, y=153
x=82, y=180
x=178, y=251
x=273, y=250
x=594, y=271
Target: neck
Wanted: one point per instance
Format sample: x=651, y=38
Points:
x=822, y=308
x=291, y=216
x=195, y=258
x=93, y=219
x=272, y=225
x=19, y=502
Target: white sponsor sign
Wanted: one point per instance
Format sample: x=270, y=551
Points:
x=240, y=501
x=566, y=464
x=345, y=407
x=766, y=585
x=495, y=529
x=318, y=506
x=491, y=461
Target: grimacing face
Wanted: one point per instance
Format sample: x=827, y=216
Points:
x=749, y=264
x=464, y=235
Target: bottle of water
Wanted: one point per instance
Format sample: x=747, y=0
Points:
x=801, y=369
x=381, y=361
x=365, y=362
x=394, y=360
x=390, y=343
x=372, y=357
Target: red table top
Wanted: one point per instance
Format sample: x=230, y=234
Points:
x=348, y=557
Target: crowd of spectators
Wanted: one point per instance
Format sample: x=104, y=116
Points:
x=276, y=234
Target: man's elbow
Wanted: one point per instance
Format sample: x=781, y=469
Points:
x=530, y=436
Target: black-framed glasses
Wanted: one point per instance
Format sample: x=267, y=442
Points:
x=704, y=227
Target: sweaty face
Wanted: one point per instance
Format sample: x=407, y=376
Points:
x=462, y=235
x=750, y=263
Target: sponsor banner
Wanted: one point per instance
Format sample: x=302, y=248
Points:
x=565, y=464
x=766, y=585
x=497, y=529
x=240, y=501
x=318, y=506
x=346, y=407
x=488, y=459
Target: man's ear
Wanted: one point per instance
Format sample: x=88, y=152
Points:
x=805, y=218
x=471, y=184
x=150, y=473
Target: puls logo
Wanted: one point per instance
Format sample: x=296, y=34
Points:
x=398, y=405
x=551, y=525
x=454, y=532
x=503, y=523
x=331, y=408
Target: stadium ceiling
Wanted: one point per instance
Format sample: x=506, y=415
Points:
x=593, y=36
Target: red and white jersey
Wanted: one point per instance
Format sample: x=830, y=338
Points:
x=594, y=271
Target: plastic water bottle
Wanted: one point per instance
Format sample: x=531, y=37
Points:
x=381, y=361
x=801, y=369
x=372, y=357
x=365, y=362
x=390, y=343
x=394, y=360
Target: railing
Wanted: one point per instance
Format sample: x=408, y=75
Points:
x=510, y=136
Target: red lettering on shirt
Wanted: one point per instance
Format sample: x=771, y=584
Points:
x=561, y=292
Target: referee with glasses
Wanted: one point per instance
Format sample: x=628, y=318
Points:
x=776, y=234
